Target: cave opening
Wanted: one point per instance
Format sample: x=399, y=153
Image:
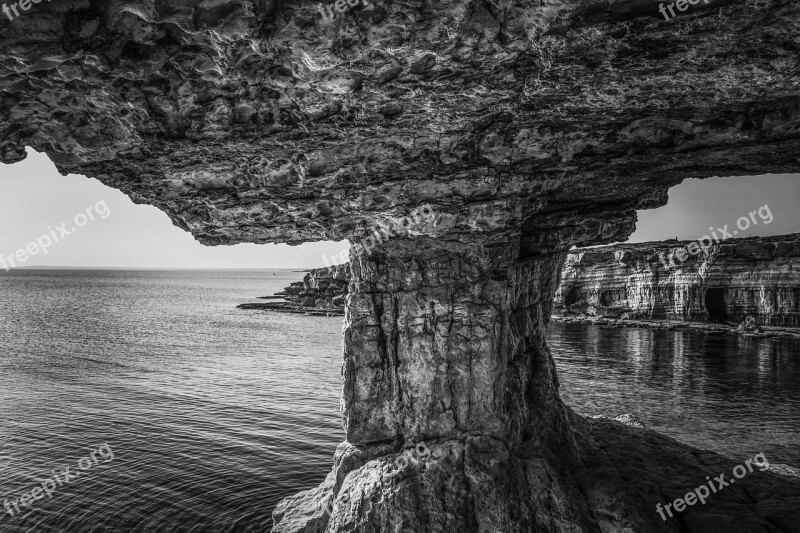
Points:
x=715, y=305
x=606, y=298
x=573, y=296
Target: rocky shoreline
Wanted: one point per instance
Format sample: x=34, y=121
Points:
x=764, y=501
x=288, y=307
x=745, y=286
x=322, y=292
x=670, y=325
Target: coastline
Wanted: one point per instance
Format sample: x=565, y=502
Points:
x=709, y=328
x=321, y=292
x=289, y=307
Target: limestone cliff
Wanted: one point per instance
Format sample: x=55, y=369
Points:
x=321, y=288
x=528, y=127
x=726, y=282
x=322, y=291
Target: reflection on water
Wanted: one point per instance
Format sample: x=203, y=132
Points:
x=730, y=394
x=214, y=414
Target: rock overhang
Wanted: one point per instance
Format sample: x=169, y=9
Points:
x=256, y=121
x=526, y=128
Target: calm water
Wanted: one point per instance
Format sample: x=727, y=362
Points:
x=730, y=394
x=213, y=413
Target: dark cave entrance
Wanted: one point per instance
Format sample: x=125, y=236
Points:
x=606, y=299
x=572, y=297
x=715, y=305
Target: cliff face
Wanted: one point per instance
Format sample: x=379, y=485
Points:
x=322, y=288
x=321, y=292
x=526, y=127
x=727, y=282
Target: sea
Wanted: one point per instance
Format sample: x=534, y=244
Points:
x=145, y=401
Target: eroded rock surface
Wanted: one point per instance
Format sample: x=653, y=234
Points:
x=256, y=121
x=650, y=469
x=528, y=128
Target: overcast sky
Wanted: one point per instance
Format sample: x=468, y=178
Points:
x=35, y=200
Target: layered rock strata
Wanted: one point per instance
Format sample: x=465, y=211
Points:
x=726, y=283
x=527, y=128
x=322, y=291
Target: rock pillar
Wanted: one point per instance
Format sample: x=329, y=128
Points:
x=451, y=405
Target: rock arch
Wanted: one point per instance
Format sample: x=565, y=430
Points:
x=528, y=129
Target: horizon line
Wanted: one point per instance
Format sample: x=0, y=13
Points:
x=45, y=267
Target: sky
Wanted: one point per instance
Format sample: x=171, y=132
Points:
x=696, y=205
x=33, y=196
x=35, y=200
